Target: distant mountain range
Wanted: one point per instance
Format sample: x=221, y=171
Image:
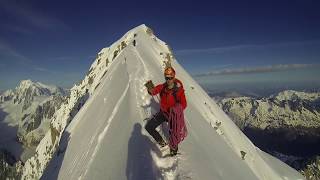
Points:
x=286, y=124
x=28, y=108
x=286, y=109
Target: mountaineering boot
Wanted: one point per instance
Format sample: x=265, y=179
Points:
x=173, y=152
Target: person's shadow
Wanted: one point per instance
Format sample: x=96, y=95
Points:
x=140, y=164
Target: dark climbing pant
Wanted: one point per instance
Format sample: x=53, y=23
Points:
x=153, y=123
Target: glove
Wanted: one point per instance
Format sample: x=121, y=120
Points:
x=149, y=85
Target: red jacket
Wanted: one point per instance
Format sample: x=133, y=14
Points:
x=167, y=99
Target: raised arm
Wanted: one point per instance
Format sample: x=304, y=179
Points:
x=156, y=90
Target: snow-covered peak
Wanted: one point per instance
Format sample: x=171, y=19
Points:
x=287, y=109
x=295, y=95
x=105, y=138
x=25, y=82
x=26, y=85
x=38, y=89
x=28, y=92
x=8, y=92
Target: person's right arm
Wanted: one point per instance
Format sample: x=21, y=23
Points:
x=156, y=90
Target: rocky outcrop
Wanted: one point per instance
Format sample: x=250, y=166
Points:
x=311, y=168
x=28, y=132
x=9, y=167
x=6, y=96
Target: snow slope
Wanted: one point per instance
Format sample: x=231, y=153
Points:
x=106, y=139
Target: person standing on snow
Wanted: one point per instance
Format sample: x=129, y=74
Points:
x=172, y=104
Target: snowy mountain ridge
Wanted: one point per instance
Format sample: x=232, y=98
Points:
x=25, y=92
x=25, y=98
x=286, y=122
x=295, y=95
x=97, y=133
x=28, y=108
x=286, y=109
x=79, y=93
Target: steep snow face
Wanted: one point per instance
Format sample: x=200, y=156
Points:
x=106, y=138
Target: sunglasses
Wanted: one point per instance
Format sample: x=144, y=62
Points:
x=168, y=78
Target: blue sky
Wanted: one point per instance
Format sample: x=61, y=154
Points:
x=56, y=41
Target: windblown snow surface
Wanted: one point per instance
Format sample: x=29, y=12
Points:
x=107, y=140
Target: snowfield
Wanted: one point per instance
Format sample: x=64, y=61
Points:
x=106, y=139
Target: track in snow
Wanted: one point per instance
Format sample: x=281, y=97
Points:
x=168, y=166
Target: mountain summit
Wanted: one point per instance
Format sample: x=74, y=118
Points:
x=99, y=132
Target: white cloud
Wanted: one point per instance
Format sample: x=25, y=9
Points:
x=213, y=50
x=32, y=16
x=19, y=59
x=43, y=69
x=269, y=68
x=6, y=49
x=92, y=56
x=62, y=58
x=245, y=46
